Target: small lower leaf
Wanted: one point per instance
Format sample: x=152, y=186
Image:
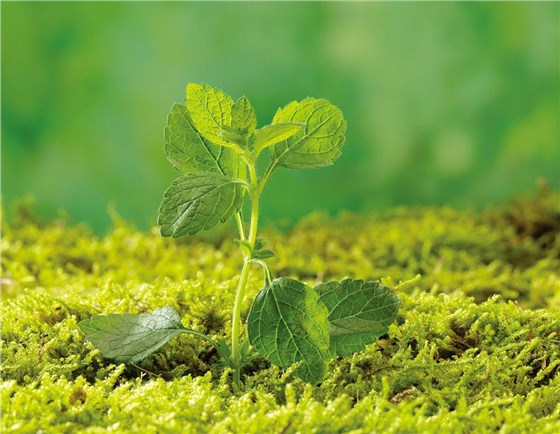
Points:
x=263, y=254
x=359, y=313
x=260, y=242
x=130, y=338
x=288, y=324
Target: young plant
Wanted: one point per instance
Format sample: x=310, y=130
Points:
x=214, y=142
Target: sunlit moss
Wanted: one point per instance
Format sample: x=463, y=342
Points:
x=476, y=346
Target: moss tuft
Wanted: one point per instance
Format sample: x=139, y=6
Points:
x=476, y=347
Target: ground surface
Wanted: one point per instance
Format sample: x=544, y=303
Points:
x=476, y=347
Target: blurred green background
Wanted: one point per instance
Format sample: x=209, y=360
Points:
x=454, y=103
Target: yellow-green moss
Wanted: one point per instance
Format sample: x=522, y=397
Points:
x=476, y=347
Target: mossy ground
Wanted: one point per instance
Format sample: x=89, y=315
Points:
x=476, y=347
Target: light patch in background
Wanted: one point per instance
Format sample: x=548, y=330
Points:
x=453, y=152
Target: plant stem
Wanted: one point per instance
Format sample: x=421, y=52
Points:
x=254, y=195
x=236, y=321
x=240, y=227
x=238, y=303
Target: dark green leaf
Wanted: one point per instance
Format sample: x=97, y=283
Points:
x=130, y=338
x=259, y=252
x=318, y=143
x=188, y=151
x=260, y=242
x=263, y=254
x=198, y=201
x=287, y=324
x=359, y=312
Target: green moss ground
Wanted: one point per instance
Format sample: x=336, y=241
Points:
x=476, y=347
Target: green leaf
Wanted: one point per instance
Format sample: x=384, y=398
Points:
x=130, y=338
x=259, y=252
x=243, y=117
x=359, y=313
x=260, y=242
x=262, y=254
x=318, y=143
x=272, y=134
x=188, y=151
x=211, y=112
x=287, y=324
x=197, y=201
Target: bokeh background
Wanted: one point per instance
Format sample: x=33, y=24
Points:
x=446, y=103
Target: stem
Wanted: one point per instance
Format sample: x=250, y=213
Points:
x=240, y=227
x=236, y=321
x=266, y=271
x=254, y=195
x=238, y=303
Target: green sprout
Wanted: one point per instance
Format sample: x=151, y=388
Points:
x=214, y=142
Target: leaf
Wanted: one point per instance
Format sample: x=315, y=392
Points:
x=259, y=252
x=197, y=201
x=318, y=143
x=260, y=242
x=243, y=117
x=211, y=112
x=262, y=254
x=287, y=324
x=359, y=313
x=272, y=134
x=188, y=151
x=130, y=338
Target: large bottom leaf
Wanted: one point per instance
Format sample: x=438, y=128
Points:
x=288, y=324
x=359, y=313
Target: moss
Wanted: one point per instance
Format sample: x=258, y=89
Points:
x=476, y=347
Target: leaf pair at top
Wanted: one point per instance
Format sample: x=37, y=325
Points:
x=211, y=139
x=290, y=322
x=211, y=190
x=218, y=118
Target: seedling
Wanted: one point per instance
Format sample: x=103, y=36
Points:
x=214, y=142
